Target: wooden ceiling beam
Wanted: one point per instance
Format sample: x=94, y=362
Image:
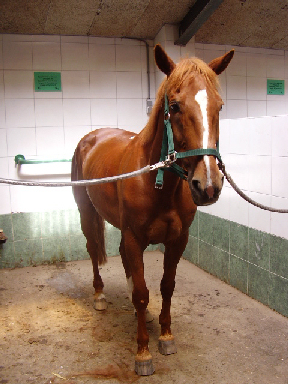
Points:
x=195, y=18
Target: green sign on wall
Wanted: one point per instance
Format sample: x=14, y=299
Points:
x=47, y=81
x=275, y=87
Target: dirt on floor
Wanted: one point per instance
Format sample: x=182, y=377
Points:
x=50, y=332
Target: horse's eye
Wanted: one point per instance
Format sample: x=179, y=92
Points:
x=174, y=107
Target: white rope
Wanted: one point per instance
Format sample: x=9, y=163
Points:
x=247, y=198
x=84, y=183
x=148, y=168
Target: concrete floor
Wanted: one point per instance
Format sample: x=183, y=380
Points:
x=50, y=332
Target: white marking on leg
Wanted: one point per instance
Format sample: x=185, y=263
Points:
x=100, y=303
x=130, y=284
x=100, y=296
x=202, y=100
x=130, y=287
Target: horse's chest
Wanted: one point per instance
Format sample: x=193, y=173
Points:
x=165, y=227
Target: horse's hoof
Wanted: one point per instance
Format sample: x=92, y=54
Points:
x=100, y=303
x=144, y=368
x=148, y=315
x=167, y=347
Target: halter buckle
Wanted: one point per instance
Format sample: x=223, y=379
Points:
x=170, y=158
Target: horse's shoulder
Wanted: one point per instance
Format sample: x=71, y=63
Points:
x=103, y=137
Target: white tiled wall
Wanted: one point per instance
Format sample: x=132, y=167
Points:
x=104, y=83
x=255, y=153
x=244, y=83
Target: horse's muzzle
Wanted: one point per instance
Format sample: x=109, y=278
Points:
x=205, y=195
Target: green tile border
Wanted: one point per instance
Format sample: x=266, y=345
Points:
x=6, y=225
x=279, y=256
x=259, y=248
x=206, y=256
x=221, y=264
x=252, y=261
x=28, y=252
x=26, y=225
x=238, y=277
x=206, y=223
x=258, y=283
x=278, y=294
x=47, y=237
x=221, y=234
x=78, y=247
x=56, y=250
x=194, y=228
x=191, y=252
x=7, y=255
x=239, y=240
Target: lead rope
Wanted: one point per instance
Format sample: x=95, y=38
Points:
x=161, y=165
x=244, y=196
x=83, y=183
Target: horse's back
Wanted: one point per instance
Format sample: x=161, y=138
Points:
x=101, y=143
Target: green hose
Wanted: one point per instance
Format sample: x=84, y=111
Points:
x=20, y=159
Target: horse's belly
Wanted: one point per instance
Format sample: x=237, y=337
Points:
x=167, y=228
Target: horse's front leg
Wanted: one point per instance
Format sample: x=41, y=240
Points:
x=140, y=299
x=172, y=255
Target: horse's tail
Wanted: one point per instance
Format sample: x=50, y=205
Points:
x=92, y=224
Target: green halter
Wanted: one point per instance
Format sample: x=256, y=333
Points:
x=169, y=154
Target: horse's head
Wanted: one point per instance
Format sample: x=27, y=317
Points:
x=194, y=105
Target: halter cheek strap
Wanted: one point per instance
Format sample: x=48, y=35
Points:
x=169, y=155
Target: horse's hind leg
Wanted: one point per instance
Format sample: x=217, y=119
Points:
x=92, y=225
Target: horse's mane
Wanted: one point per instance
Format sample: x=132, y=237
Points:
x=184, y=69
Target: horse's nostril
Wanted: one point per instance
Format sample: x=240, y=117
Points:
x=196, y=185
x=210, y=191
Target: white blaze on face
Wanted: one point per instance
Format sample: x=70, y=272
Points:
x=202, y=100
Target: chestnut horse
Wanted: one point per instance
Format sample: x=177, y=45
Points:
x=144, y=214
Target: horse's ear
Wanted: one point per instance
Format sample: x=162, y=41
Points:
x=163, y=61
x=221, y=63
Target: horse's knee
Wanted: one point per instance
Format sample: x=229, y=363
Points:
x=140, y=298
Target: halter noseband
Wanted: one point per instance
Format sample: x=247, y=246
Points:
x=169, y=155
